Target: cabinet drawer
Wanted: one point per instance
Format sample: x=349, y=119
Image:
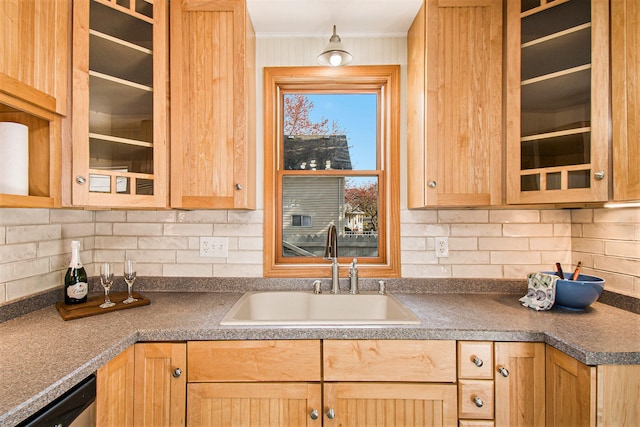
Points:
x=468, y=393
x=475, y=359
x=385, y=360
x=220, y=361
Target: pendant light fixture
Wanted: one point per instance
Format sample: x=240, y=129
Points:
x=334, y=54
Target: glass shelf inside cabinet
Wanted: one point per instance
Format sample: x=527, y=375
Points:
x=121, y=98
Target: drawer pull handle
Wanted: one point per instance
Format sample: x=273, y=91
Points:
x=177, y=372
x=331, y=413
x=432, y=184
x=314, y=414
x=477, y=361
x=503, y=371
x=479, y=403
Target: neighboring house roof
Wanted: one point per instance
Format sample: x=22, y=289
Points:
x=301, y=150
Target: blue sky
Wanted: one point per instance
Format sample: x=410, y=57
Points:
x=357, y=114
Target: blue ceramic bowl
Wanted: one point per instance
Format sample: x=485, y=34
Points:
x=578, y=294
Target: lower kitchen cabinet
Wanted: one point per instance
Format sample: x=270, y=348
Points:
x=114, y=391
x=254, y=404
x=519, y=384
x=160, y=384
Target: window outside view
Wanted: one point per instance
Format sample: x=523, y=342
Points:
x=325, y=133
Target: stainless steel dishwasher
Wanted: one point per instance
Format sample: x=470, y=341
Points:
x=75, y=408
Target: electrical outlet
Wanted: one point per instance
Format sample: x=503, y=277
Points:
x=214, y=247
x=442, y=247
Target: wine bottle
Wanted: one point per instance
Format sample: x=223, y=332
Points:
x=75, y=281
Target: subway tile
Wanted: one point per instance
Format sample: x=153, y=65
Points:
x=187, y=270
x=244, y=257
x=587, y=245
x=418, y=257
x=466, y=257
x=425, y=271
x=22, y=269
x=238, y=230
x=104, y=228
x=126, y=229
x=188, y=229
x=31, y=285
x=622, y=249
x=151, y=255
x=418, y=216
x=618, y=265
x=424, y=230
x=482, y=271
x=111, y=216
x=203, y=217
x=10, y=216
x=513, y=271
x=527, y=230
x=508, y=216
x=66, y=216
x=33, y=233
x=248, y=243
x=413, y=243
x=193, y=257
x=467, y=216
x=503, y=243
x=148, y=269
x=78, y=230
x=116, y=242
x=581, y=216
x=3, y=293
x=235, y=270
x=608, y=231
x=463, y=243
x=550, y=243
x=562, y=230
x=515, y=257
x=618, y=215
x=476, y=230
x=246, y=217
x=110, y=255
x=165, y=242
x=151, y=216
x=549, y=259
x=555, y=216
x=18, y=252
x=3, y=232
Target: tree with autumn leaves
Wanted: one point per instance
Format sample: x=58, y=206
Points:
x=297, y=121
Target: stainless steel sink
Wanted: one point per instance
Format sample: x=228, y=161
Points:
x=307, y=308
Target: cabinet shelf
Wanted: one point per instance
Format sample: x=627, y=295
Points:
x=111, y=56
x=557, y=91
x=117, y=96
x=127, y=141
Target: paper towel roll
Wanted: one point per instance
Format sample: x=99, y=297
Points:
x=14, y=158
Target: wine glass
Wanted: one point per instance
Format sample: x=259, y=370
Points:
x=129, y=277
x=106, y=279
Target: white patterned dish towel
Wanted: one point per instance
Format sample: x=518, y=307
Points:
x=542, y=291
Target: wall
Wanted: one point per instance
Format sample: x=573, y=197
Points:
x=35, y=243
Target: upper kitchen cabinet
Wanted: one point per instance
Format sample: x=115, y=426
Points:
x=34, y=46
x=120, y=108
x=212, y=105
x=557, y=101
x=455, y=104
x=625, y=73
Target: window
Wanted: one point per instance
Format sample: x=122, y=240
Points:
x=340, y=170
x=301, y=221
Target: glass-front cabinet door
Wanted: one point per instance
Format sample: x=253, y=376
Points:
x=557, y=101
x=120, y=103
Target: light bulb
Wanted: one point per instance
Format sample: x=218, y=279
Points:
x=335, y=59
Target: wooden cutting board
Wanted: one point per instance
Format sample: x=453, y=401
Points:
x=91, y=307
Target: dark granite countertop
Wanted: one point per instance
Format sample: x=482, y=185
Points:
x=42, y=356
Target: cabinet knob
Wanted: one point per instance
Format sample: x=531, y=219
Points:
x=503, y=371
x=477, y=361
x=177, y=372
x=432, y=184
x=238, y=186
x=314, y=414
x=478, y=402
x=331, y=413
x=81, y=179
x=599, y=175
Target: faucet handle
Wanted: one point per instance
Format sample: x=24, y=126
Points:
x=317, y=289
x=382, y=288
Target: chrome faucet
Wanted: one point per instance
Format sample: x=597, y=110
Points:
x=331, y=253
x=353, y=277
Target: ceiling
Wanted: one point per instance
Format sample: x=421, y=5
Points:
x=299, y=18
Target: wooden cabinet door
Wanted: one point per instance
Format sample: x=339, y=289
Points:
x=253, y=404
x=570, y=391
x=212, y=105
x=160, y=384
x=520, y=390
x=390, y=404
x=455, y=104
x=625, y=73
x=114, y=391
